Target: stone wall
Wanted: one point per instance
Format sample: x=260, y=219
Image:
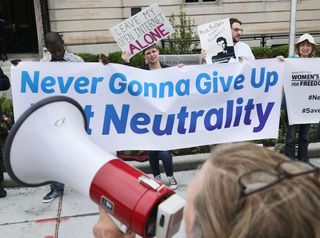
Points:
x=85, y=23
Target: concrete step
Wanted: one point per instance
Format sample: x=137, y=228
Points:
x=5, y=66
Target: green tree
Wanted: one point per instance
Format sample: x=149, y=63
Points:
x=181, y=40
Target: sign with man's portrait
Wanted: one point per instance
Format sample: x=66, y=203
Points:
x=216, y=40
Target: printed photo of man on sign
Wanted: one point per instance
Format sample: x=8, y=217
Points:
x=216, y=40
x=142, y=30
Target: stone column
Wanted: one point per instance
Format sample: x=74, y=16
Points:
x=39, y=25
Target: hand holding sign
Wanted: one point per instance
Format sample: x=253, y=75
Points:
x=126, y=57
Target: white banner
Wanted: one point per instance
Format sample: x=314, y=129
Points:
x=133, y=109
x=302, y=90
x=142, y=30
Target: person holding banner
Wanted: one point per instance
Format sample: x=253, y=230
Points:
x=305, y=48
x=246, y=191
x=55, y=45
x=241, y=49
x=151, y=55
x=4, y=85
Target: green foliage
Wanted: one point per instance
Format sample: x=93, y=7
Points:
x=313, y=133
x=137, y=60
x=7, y=120
x=279, y=50
x=115, y=57
x=318, y=51
x=181, y=40
x=261, y=52
x=88, y=57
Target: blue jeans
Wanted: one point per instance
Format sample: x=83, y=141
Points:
x=166, y=158
x=303, y=141
x=59, y=187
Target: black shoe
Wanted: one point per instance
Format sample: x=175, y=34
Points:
x=3, y=192
x=53, y=194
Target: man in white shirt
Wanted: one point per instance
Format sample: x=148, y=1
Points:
x=241, y=49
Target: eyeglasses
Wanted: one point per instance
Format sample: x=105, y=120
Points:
x=237, y=30
x=258, y=180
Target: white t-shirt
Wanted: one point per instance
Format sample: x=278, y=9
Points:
x=243, y=50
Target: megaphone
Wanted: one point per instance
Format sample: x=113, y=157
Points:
x=49, y=143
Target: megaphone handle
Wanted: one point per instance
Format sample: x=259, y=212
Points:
x=122, y=227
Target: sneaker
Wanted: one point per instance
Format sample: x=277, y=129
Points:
x=53, y=194
x=158, y=178
x=173, y=183
x=3, y=192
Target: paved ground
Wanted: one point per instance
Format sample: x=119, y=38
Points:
x=22, y=214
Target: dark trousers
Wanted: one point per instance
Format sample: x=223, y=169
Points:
x=1, y=171
x=166, y=158
x=303, y=141
x=59, y=187
x=2, y=168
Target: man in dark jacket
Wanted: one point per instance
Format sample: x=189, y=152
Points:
x=4, y=85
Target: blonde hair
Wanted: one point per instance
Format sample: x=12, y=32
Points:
x=288, y=209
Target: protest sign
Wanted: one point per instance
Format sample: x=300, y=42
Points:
x=133, y=109
x=142, y=30
x=302, y=90
x=216, y=40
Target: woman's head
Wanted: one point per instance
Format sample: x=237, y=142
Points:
x=216, y=207
x=306, y=46
x=151, y=54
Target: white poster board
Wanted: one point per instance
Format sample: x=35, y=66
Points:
x=302, y=90
x=142, y=30
x=216, y=40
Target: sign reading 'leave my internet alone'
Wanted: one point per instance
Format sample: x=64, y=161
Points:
x=142, y=30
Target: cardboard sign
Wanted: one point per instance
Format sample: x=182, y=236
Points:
x=142, y=30
x=216, y=40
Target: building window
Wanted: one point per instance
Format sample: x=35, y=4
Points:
x=135, y=10
x=191, y=1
